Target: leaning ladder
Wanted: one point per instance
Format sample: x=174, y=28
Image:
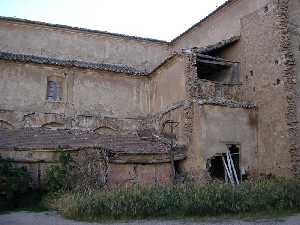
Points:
x=230, y=170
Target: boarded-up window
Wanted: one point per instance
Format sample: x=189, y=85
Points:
x=54, y=90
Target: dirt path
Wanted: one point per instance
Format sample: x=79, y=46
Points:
x=51, y=218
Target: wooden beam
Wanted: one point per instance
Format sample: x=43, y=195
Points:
x=215, y=58
x=217, y=63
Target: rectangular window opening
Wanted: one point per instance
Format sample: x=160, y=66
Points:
x=54, y=90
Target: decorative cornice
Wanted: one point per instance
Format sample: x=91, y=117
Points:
x=117, y=68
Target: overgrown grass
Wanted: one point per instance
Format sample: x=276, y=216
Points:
x=189, y=200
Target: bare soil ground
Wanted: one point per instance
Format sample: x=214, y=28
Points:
x=52, y=218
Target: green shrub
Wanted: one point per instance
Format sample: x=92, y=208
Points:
x=181, y=200
x=14, y=182
x=59, y=177
x=85, y=171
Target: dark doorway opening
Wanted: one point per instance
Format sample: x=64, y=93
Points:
x=216, y=169
x=177, y=167
x=216, y=165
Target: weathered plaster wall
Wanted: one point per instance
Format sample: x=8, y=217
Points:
x=213, y=128
x=66, y=43
x=128, y=174
x=220, y=26
x=23, y=88
x=232, y=52
x=294, y=32
x=38, y=162
x=11, y=119
x=113, y=94
x=175, y=113
x=265, y=81
x=168, y=84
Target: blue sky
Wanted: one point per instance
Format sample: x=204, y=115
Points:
x=159, y=19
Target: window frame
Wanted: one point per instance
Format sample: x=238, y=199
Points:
x=56, y=95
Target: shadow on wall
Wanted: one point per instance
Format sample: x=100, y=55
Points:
x=53, y=125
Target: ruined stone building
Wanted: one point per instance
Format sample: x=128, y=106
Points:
x=229, y=83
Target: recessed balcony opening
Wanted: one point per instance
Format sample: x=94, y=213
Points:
x=217, y=69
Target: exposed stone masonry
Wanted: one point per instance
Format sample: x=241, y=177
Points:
x=191, y=85
x=290, y=84
x=225, y=102
x=208, y=89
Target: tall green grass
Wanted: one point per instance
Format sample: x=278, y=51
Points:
x=180, y=200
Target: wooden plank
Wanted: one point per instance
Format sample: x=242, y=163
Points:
x=215, y=58
x=216, y=63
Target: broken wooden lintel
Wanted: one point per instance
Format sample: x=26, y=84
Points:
x=214, y=62
x=203, y=56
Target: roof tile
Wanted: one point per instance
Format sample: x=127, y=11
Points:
x=47, y=139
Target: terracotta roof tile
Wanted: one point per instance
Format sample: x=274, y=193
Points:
x=118, y=68
x=47, y=139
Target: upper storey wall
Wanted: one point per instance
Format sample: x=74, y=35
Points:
x=23, y=88
x=167, y=85
x=222, y=25
x=67, y=43
x=268, y=81
x=58, y=41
